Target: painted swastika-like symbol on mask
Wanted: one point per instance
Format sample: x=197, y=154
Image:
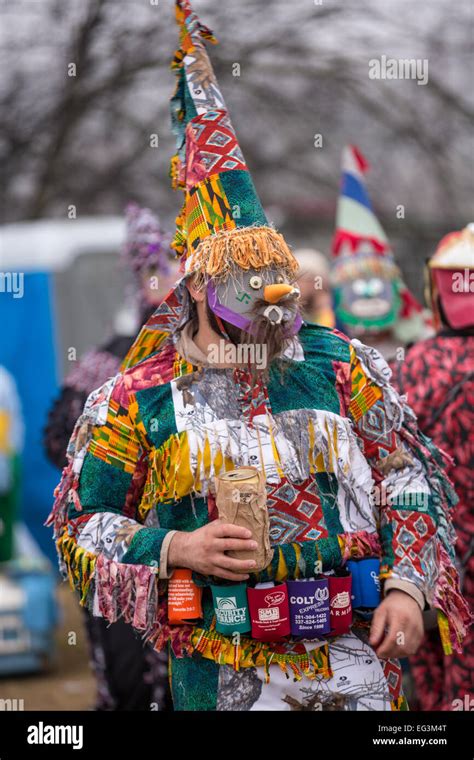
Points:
x=243, y=296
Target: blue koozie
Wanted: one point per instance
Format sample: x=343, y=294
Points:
x=369, y=574
x=356, y=595
x=365, y=582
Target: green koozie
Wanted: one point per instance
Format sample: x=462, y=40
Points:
x=230, y=606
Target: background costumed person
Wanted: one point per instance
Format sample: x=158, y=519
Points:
x=371, y=301
x=315, y=287
x=437, y=375
x=318, y=423
x=151, y=270
x=129, y=676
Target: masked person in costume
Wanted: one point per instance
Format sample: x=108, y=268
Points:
x=437, y=375
x=371, y=301
x=314, y=286
x=129, y=676
x=151, y=270
x=313, y=429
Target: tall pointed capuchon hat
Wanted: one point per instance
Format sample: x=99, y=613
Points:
x=222, y=224
x=357, y=227
x=370, y=294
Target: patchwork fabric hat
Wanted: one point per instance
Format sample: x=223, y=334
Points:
x=222, y=234
x=451, y=274
x=369, y=293
x=220, y=200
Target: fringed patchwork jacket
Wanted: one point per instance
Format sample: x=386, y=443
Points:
x=348, y=475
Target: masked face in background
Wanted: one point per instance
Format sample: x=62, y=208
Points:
x=368, y=304
x=365, y=300
x=248, y=298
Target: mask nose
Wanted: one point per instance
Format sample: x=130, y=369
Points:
x=273, y=293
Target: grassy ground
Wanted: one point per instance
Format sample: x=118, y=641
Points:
x=68, y=683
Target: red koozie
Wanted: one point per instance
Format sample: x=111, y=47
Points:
x=340, y=605
x=269, y=612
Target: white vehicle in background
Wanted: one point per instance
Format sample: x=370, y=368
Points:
x=28, y=610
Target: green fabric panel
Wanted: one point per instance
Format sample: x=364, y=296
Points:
x=327, y=491
x=310, y=389
x=240, y=191
x=325, y=549
x=186, y=514
x=181, y=101
x=194, y=683
x=323, y=344
x=9, y=503
x=414, y=501
x=145, y=547
x=386, y=535
x=290, y=558
x=102, y=487
x=312, y=381
x=208, y=606
x=157, y=413
x=309, y=556
x=432, y=509
x=189, y=107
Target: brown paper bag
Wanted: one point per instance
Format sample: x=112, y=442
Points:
x=241, y=499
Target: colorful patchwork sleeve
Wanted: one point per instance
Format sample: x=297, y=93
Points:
x=412, y=494
x=109, y=555
x=88, y=373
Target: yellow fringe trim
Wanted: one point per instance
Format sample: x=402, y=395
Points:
x=171, y=475
x=443, y=626
x=244, y=247
x=249, y=653
x=80, y=564
x=175, y=164
x=399, y=704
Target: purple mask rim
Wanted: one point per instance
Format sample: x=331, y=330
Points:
x=238, y=320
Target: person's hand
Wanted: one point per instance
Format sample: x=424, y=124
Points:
x=204, y=550
x=397, y=626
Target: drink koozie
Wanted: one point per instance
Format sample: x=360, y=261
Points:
x=241, y=498
x=340, y=603
x=365, y=582
x=269, y=612
x=230, y=606
x=309, y=607
x=184, y=597
x=369, y=574
x=356, y=595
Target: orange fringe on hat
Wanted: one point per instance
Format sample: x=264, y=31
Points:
x=244, y=247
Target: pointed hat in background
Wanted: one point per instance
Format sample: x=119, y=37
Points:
x=356, y=223
x=361, y=249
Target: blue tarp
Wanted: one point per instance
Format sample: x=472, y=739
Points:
x=28, y=351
